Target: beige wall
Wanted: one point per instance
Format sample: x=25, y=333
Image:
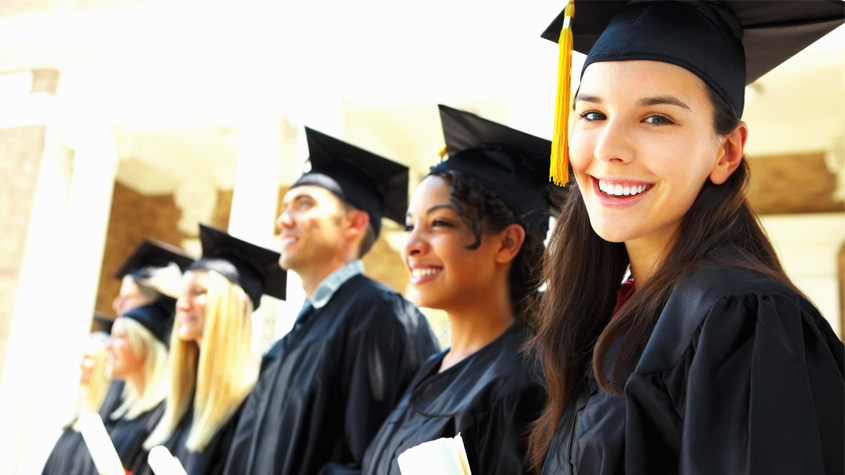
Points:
x=21, y=149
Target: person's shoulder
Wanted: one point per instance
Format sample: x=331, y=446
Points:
x=508, y=368
x=364, y=296
x=711, y=282
x=709, y=295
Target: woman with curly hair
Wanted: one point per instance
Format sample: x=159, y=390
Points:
x=476, y=227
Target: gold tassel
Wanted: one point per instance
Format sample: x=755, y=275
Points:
x=442, y=152
x=559, y=167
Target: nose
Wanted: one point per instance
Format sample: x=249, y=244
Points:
x=183, y=303
x=284, y=221
x=415, y=245
x=614, y=143
x=117, y=305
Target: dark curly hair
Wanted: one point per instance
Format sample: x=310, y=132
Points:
x=483, y=212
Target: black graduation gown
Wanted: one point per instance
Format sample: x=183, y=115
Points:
x=741, y=376
x=489, y=398
x=209, y=461
x=71, y=455
x=113, y=398
x=68, y=455
x=327, y=386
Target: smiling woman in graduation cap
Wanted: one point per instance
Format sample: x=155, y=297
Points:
x=69, y=454
x=476, y=228
x=212, y=365
x=708, y=359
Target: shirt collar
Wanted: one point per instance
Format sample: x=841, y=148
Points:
x=324, y=292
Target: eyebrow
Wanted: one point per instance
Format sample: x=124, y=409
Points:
x=434, y=208
x=663, y=100
x=299, y=196
x=644, y=102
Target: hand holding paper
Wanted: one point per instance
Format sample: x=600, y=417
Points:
x=445, y=456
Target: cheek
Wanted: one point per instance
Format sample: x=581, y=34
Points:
x=580, y=150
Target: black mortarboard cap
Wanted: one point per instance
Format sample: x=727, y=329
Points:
x=254, y=268
x=728, y=44
x=151, y=254
x=156, y=317
x=511, y=163
x=363, y=179
x=101, y=323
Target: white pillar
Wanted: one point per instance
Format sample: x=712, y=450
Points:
x=255, y=198
x=56, y=295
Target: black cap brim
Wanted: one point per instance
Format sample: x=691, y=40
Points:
x=254, y=268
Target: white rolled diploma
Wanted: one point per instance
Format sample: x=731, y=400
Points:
x=162, y=462
x=99, y=445
x=445, y=456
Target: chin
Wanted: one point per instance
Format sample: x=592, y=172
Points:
x=420, y=299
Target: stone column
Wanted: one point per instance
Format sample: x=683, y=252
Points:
x=56, y=292
x=255, y=198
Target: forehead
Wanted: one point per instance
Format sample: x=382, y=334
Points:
x=635, y=79
x=119, y=325
x=431, y=191
x=316, y=193
x=195, y=276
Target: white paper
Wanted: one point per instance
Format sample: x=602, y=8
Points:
x=162, y=462
x=100, y=445
x=445, y=456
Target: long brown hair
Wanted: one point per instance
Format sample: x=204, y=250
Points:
x=583, y=273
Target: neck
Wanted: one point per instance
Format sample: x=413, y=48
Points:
x=478, y=322
x=646, y=258
x=137, y=381
x=312, y=277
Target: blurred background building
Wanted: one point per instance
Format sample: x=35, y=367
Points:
x=121, y=119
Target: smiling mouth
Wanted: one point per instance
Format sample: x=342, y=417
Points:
x=621, y=190
x=424, y=272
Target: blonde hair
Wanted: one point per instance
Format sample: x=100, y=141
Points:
x=220, y=377
x=142, y=342
x=92, y=394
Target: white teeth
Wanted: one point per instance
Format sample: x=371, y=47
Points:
x=424, y=272
x=619, y=190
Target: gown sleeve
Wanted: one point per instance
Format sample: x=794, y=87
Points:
x=759, y=391
x=379, y=361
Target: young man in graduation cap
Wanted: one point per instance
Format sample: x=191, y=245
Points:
x=326, y=387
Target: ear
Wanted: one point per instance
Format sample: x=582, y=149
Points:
x=510, y=242
x=731, y=150
x=356, y=223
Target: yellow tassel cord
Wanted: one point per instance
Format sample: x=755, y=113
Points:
x=559, y=167
x=442, y=153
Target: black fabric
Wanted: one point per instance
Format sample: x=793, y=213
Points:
x=70, y=456
x=489, y=398
x=209, y=461
x=252, y=267
x=741, y=375
x=363, y=179
x=326, y=386
x=151, y=254
x=727, y=44
x=156, y=317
